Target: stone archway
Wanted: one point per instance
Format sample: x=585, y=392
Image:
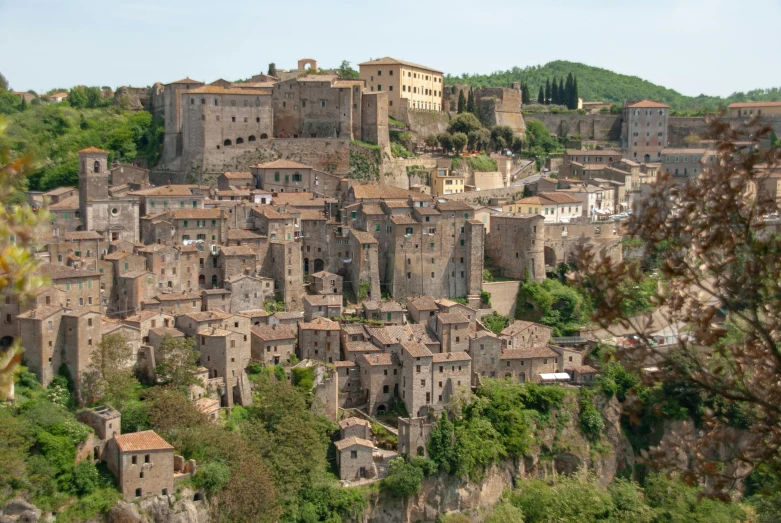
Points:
x=307, y=64
x=319, y=265
x=550, y=256
x=647, y=158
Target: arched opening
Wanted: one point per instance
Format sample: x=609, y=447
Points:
x=381, y=410
x=197, y=496
x=96, y=167
x=239, y=140
x=201, y=280
x=96, y=453
x=647, y=158
x=306, y=265
x=522, y=377
x=6, y=341
x=550, y=257
x=251, y=138
x=264, y=136
x=226, y=143
x=319, y=265
x=214, y=280
x=421, y=451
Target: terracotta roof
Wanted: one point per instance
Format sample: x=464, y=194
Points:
x=216, y=89
x=380, y=192
x=289, y=315
x=383, y=306
x=140, y=441
x=312, y=215
x=239, y=175
x=281, y=164
x=186, y=80
x=404, y=219
x=210, y=292
x=68, y=204
x=168, y=331
x=454, y=206
x=142, y=316
x=532, y=200
x=195, y=213
x=275, y=332
x=361, y=346
x=387, y=60
x=371, y=209
x=421, y=333
x=345, y=364
x=363, y=236
x=116, y=255
x=346, y=443
x=55, y=271
x=293, y=197
x=390, y=334
x=207, y=405
x=519, y=326
x=382, y=359
x=254, y=313
x=427, y=211
x=683, y=150
x=595, y=152
x=92, y=150
x=238, y=250
x=450, y=318
x=485, y=334
x=423, y=303
x=352, y=422
x=82, y=235
x=243, y=234
x=208, y=315
x=323, y=324
x=215, y=332
x=173, y=296
x=527, y=352
x=444, y=357
x=166, y=190
x=318, y=78
x=331, y=300
x=415, y=349
x=59, y=190
x=649, y=104
x=354, y=328
x=40, y=313
x=752, y=105
x=324, y=274
x=560, y=198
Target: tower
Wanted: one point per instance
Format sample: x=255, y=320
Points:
x=93, y=178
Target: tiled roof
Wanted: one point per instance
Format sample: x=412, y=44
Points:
x=166, y=190
x=753, y=105
x=595, y=152
x=82, y=235
x=312, y=215
x=361, y=346
x=454, y=206
x=243, y=234
x=59, y=190
x=173, y=296
x=387, y=60
x=68, y=204
x=683, y=150
x=116, y=255
x=331, y=300
x=345, y=364
x=216, y=89
x=238, y=250
x=324, y=274
x=142, y=316
x=380, y=192
x=292, y=315
x=186, y=80
x=527, y=352
x=254, y=313
x=444, y=357
x=196, y=214
x=270, y=333
x=427, y=211
x=382, y=359
x=140, y=441
x=423, y=303
x=92, y=150
x=318, y=78
x=40, y=313
x=649, y=104
x=450, y=318
x=208, y=315
x=319, y=324
x=404, y=219
x=346, y=443
x=383, y=306
x=560, y=197
x=215, y=332
x=281, y=164
x=421, y=333
x=519, y=326
x=55, y=271
x=294, y=197
x=485, y=334
x=210, y=292
x=371, y=209
x=167, y=331
x=207, y=405
x=363, y=236
x=352, y=422
x=415, y=349
x=390, y=334
x=237, y=176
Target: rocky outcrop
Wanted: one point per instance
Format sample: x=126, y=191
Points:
x=20, y=511
x=560, y=449
x=167, y=509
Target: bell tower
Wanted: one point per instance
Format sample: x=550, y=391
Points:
x=93, y=178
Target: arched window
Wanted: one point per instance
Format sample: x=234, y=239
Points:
x=201, y=280
x=251, y=138
x=239, y=140
x=96, y=167
x=264, y=136
x=226, y=143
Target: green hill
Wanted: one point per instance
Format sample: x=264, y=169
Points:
x=596, y=84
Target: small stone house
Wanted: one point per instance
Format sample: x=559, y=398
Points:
x=386, y=311
x=360, y=428
x=354, y=458
x=325, y=282
x=272, y=344
x=420, y=309
x=322, y=306
x=143, y=463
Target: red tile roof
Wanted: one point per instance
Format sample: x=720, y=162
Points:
x=141, y=441
x=649, y=104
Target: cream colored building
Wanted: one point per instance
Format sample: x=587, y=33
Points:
x=444, y=181
x=409, y=86
x=751, y=109
x=556, y=207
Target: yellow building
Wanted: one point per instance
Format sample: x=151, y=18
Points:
x=751, y=109
x=409, y=86
x=443, y=181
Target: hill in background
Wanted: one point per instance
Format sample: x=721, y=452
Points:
x=596, y=84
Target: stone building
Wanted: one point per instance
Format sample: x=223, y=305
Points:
x=516, y=244
x=452, y=329
x=324, y=282
x=520, y=334
x=319, y=340
x=235, y=180
x=357, y=427
x=409, y=86
x=225, y=354
x=389, y=311
x=322, y=306
x=555, y=207
x=380, y=381
x=143, y=463
x=416, y=367
x=285, y=176
x=451, y=377
x=752, y=109
x=66, y=216
x=645, y=130
x=485, y=349
x=684, y=162
x=75, y=287
x=168, y=198
x=421, y=308
x=527, y=364
x=246, y=293
x=132, y=176
x=354, y=459
x=272, y=345
x=414, y=434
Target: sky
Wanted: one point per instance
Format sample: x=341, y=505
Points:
x=714, y=47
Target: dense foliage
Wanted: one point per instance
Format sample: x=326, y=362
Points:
x=596, y=84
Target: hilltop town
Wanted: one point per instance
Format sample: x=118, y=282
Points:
x=283, y=231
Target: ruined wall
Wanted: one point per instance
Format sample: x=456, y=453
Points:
x=602, y=127
x=426, y=123
x=504, y=295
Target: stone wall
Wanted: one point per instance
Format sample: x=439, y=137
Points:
x=504, y=295
x=426, y=123
x=473, y=196
x=602, y=127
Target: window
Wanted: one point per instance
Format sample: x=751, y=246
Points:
x=354, y=454
x=133, y=460
x=147, y=458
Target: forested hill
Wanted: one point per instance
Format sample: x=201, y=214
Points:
x=596, y=84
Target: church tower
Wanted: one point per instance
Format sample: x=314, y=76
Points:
x=93, y=177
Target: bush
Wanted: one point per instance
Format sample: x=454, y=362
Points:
x=485, y=299
x=591, y=422
x=399, y=151
x=496, y=323
x=487, y=276
x=212, y=477
x=464, y=123
x=403, y=479
x=85, y=478
x=483, y=163
x=505, y=512
x=90, y=506
x=303, y=378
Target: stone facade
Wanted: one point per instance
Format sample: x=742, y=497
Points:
x=272, y=345
x=516, y=245
x=143, y=463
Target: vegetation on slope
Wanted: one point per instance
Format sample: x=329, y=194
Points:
x=597, y=84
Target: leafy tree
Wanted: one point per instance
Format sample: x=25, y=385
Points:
x=85, y=478
x=541, y=97
x=403, y=479
x=14, y=445
x=554, y=92
x=176, y=360
x=346, y=72
x=478, y=445
x=431, y=140
x=4, y=86
x=496, y=323
x=459, y=141
x=464, y=123
x=505, y=512
x=170, y=410
x=479, y=140
x=110, y=376
x=525, y=100
x=272, y=69
x=9, y=102
x=212, y=477
x=461, y=102
x=445, y=141
x=440, y=444
x=591, y=422
x=501, y=136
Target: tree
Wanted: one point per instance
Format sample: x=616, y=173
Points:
x=575, y=95
x=4, y=83
x=445, y=141
x=403, y=479
x=272, y=69
x=470, y=103
x=431, y=140
x=23, y=105
x=541, y=97
x=501, y=136
x=459, y=141
x=347, y=72
x=461, y=102
x=479, y=139
x=176, y=359
x=716, y=255
x=464, y=123
x=212, y=477
x=525, y=100
x=110, y=377
x=554, y=92
x=547, y=92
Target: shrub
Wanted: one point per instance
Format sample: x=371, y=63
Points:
x=212, y=477
x=591, y=422
x=399, y=151
x=403, y=479
x=485, y=298
x=483, y=163
x=85, y=478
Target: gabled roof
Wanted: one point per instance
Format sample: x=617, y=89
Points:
x=454, y=206
x=352, y=422
x=527, y=352
x=558, y=197
x=451, y=318
x=166, y=190
x=323, y=324
x=648, y=104
x=55, y=271
x=423, y=303
x=68, y=204
x=415, y=349
x=60, y=190
x=82, y=235
x=216, y=89
x=271, y=333
x=380, y=192
x=387, y=60
x=346, y=443
x=92, y=150
x=185, y=80
x=753, y=105
x=445, y=357
x=239, y=175
x=141, y=441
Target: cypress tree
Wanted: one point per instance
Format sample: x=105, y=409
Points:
x=272, y=69
x=525, y=94
x=575, y=95
x=461, y=102
x=541, y=97
x=470, y=102
x=547, y=91
x=568, y=92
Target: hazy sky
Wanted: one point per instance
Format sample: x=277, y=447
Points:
x=712, y=47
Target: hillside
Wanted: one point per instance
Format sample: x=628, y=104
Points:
x=596, y=84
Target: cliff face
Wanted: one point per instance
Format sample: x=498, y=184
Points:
x=560, y=449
